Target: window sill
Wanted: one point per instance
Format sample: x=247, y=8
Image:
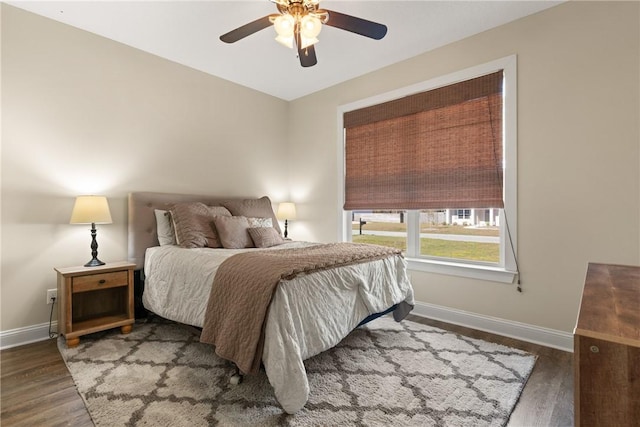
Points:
x=481, y=272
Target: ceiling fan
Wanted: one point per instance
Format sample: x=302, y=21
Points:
x=299, y=23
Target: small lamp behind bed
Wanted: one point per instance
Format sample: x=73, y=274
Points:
x=91, y=210
x=286, y=211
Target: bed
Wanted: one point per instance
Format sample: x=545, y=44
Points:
x=309, y=310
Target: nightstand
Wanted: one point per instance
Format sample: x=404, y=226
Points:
x=92, y=299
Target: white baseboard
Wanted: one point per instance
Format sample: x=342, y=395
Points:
x=521, y=331
x=26, y=335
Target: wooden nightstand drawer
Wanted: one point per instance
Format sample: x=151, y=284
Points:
x=100, y=281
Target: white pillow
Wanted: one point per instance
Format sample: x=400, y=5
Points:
x=166, y=234
x=260, y=222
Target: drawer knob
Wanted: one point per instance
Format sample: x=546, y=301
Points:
x=102, y=282
x=594, y=349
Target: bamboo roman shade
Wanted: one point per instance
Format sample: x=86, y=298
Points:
x=432, y=150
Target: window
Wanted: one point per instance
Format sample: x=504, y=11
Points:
x=431, y=169
x=463, y=214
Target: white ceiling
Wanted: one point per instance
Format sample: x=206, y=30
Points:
x=188, y=32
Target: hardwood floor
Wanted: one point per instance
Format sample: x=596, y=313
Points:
x=37, y=389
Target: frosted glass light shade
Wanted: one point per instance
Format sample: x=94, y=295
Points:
x=310, y=27
x=284, y=25
x=306, y=42
x=285, y=41
x=91, y=209
x=286, y=210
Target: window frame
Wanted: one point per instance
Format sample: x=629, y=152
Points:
x=506, y=270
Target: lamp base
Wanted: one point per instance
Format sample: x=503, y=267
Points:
x=95, y=262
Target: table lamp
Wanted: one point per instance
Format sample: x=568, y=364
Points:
x=286, y=211
x=91, y=210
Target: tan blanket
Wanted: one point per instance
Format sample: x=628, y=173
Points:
x=244, y=286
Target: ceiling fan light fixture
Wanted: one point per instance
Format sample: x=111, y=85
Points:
x=298, y=24
x=287, y=26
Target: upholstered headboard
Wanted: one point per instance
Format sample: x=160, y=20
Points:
x=142, y=232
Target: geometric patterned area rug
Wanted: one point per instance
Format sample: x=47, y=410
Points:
x=384, y=373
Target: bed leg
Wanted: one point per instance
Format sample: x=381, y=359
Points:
x=236, y=378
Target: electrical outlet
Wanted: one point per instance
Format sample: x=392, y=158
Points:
x=52, y=296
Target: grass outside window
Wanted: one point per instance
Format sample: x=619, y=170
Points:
x=434, y=247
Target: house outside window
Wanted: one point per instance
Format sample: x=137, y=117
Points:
x=470, y=241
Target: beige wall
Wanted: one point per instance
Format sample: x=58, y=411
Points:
x=82, y=114
x=578, y=154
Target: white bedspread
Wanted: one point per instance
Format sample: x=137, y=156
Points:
x=306, y=317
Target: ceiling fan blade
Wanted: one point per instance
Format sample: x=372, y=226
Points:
x=356, y=25
x=246, y=30
x=307, y=56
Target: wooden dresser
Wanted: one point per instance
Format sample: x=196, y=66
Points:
x=607, y=348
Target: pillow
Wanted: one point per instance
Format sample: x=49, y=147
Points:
x=265, y=237
x=233, y=232
x=254, y=208
x=193, y=224
x=260, y=222
x=164, y=228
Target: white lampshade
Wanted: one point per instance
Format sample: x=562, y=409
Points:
x=91, y=210
x=286, y=210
